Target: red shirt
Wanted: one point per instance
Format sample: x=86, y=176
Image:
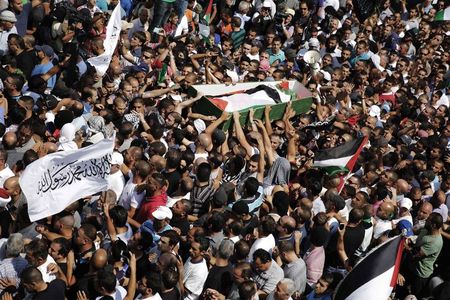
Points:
x=149, y=206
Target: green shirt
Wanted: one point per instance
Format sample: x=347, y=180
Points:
x=431, y=246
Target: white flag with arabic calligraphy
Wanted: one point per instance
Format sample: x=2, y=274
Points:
x=101, y=62
x=56, y=180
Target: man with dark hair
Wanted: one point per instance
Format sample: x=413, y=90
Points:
x=117, y=216
x=266, y=272
x=252, y=194
x=425, y=252
x=195, y=268
x=265, y=240
x=156, y=197
x=25, y=60
x=169, y=289
x=13, y=88
x=37, y=255
x=106, y=285
x=203, y=190
x=84, y=241
x=33, y=283
x=59, y=249
x=150, y=286
x=173, y=176
x=294, y=267
x=131, y=198
x=349, y=240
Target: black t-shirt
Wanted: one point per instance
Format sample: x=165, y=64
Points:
x=174, y=294
x=353, y=238
x=180, y=223
x=220, y=279
x=55, y=291
x=26, y=62
x=174, y=180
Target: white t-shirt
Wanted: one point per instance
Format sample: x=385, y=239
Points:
x=318, y=206
x=195, y=275
x=119, y=294
x=5, y=174
x=116, y=182
x=46, y=276
x=130, y=198
x=267, y=243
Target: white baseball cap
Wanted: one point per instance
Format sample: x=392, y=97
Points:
x=374, y=111
x=162, y=213
x=406, y=203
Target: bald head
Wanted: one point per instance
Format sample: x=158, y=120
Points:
x=204, y=140
x=67, y=221
x=99, y=259
x=167, y=260
x=305, y=203
x=402, y=186
x=425, y=210
x=288, y=221
x=135, y=152
x=385, y=210
x=9, y=140
x=158, y=162
x=50, y=147
x=11, y=184
x=142, y=168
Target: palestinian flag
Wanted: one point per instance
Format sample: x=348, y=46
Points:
x=443, y=15
x=341, y=158
x=375, y=276
x=162, y=73
x=208, y=12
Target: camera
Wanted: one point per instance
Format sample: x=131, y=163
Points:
x=280, y=17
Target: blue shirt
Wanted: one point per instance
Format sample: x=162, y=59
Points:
x=42, y=69
x=273, y=57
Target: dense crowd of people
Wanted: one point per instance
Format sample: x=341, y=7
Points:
x=196, y=212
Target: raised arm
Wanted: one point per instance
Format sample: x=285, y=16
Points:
x=214, y=125
x=266, y=139
x=251, y=113
x=131, y=288
x=182, y=105
x=267, y=119
x=262, y=160
x=240, y=134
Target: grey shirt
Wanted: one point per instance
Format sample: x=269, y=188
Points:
x=268, y=280
x=296, y=271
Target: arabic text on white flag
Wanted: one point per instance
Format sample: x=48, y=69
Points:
x=56, y=180
x=101, y=62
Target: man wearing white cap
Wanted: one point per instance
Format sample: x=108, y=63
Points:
x=267, y=4
x=116, y=180
x=7, y=26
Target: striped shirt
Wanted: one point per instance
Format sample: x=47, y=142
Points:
x=238, y=38
x=12, y=268
x=200, y=198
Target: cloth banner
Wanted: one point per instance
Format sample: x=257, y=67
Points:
x=101, y=62
x=56, y=180
x=375, y=276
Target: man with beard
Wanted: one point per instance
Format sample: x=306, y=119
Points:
x=119, y=108
x=331, y=47
x=83, y=240
x=155, y=202
x=149, y=286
